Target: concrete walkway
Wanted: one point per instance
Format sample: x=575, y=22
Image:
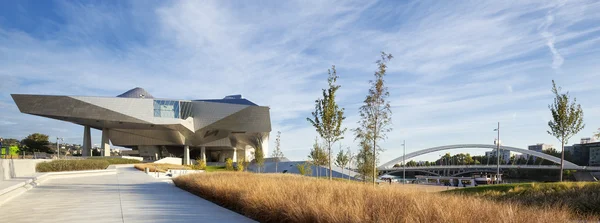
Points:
x=128, y=196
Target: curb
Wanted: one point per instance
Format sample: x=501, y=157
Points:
x=13, y=191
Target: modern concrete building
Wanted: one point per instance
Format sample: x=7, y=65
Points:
x=213, y=129
x=587, y=154
x=504, y=154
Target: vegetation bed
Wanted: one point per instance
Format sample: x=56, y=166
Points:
x=294, y=198
x=580, y=197
x=72, y=165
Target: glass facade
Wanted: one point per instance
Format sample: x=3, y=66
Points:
x=166, y=109
x=595, y=156
x=172, y=109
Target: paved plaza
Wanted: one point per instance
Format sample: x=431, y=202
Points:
x=128, y=196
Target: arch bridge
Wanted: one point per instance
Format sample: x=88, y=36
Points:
x=390, y=165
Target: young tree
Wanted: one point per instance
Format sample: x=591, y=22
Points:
x=567, y=120
x=317, y=156
x=351, y=157
x=364, y=157
x=342, y=160
x=277, y=153
x=376, y=113
x=597, y=135
x=256, y=141
x=327, y=117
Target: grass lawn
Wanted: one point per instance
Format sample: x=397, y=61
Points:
x=295, y=198
x=580, y=197
x=215, y=168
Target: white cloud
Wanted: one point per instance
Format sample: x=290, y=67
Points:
x=458, y=67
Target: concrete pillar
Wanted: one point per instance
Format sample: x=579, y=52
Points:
x=203, y=153
x=460, y=184
x=438, y=181
x=234, y=155
x=87, y=142
x=105, y=142
x=265, y=145
x=472, y=182
x=186, y=155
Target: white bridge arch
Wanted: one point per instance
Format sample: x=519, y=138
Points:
x=391, y=163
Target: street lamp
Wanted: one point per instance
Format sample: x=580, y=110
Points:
x=58, y=147
x=404, y=162
x=498, y=154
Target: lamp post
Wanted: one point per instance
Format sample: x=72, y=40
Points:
x=498, y=154
x=404, y=162
x=58, y=147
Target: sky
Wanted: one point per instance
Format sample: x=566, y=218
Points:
x=459, y=67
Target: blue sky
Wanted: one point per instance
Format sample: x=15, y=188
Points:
x=459, y=67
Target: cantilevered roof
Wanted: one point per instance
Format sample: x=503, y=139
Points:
x=136, y=93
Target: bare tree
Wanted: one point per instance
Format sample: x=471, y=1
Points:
x=567, y=120
x=277, y=153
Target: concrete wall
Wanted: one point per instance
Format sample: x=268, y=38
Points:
x=131, y=157
x=170, y=160
x=12, y=168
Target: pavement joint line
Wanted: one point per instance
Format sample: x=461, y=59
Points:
x=120, y=199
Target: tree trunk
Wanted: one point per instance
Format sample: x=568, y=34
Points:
x=330, y=172
x=374, y=157
x=562, y=160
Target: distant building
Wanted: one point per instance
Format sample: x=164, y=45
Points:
x=540, y=147
x=504, y=154
x=587, y=154
x=586, y=140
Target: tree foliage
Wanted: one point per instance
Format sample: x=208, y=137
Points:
x=376, y=113
x=318, y=156
x=364, y=159
x=328, y=116
x=342, y=159
x=35, y=142
x=567, y=120
x=277, y=153
x=303, y=169
x=256, y=141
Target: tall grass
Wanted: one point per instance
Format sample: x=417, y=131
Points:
x=580, y=197
x=71, y=165
x=294, y=198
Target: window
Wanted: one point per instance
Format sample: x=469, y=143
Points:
x=166, y=109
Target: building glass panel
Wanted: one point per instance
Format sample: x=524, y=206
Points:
x=166, y=109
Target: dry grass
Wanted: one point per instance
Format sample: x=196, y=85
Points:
x=580, y=197
x=71, y=165
x=160, y=167
x=294, y=198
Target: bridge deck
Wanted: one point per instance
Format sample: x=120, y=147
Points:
x=128, y=196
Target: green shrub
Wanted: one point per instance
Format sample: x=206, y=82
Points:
x=240, y=165
x=229, y=164
x=72, y=165
x=201, y=164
